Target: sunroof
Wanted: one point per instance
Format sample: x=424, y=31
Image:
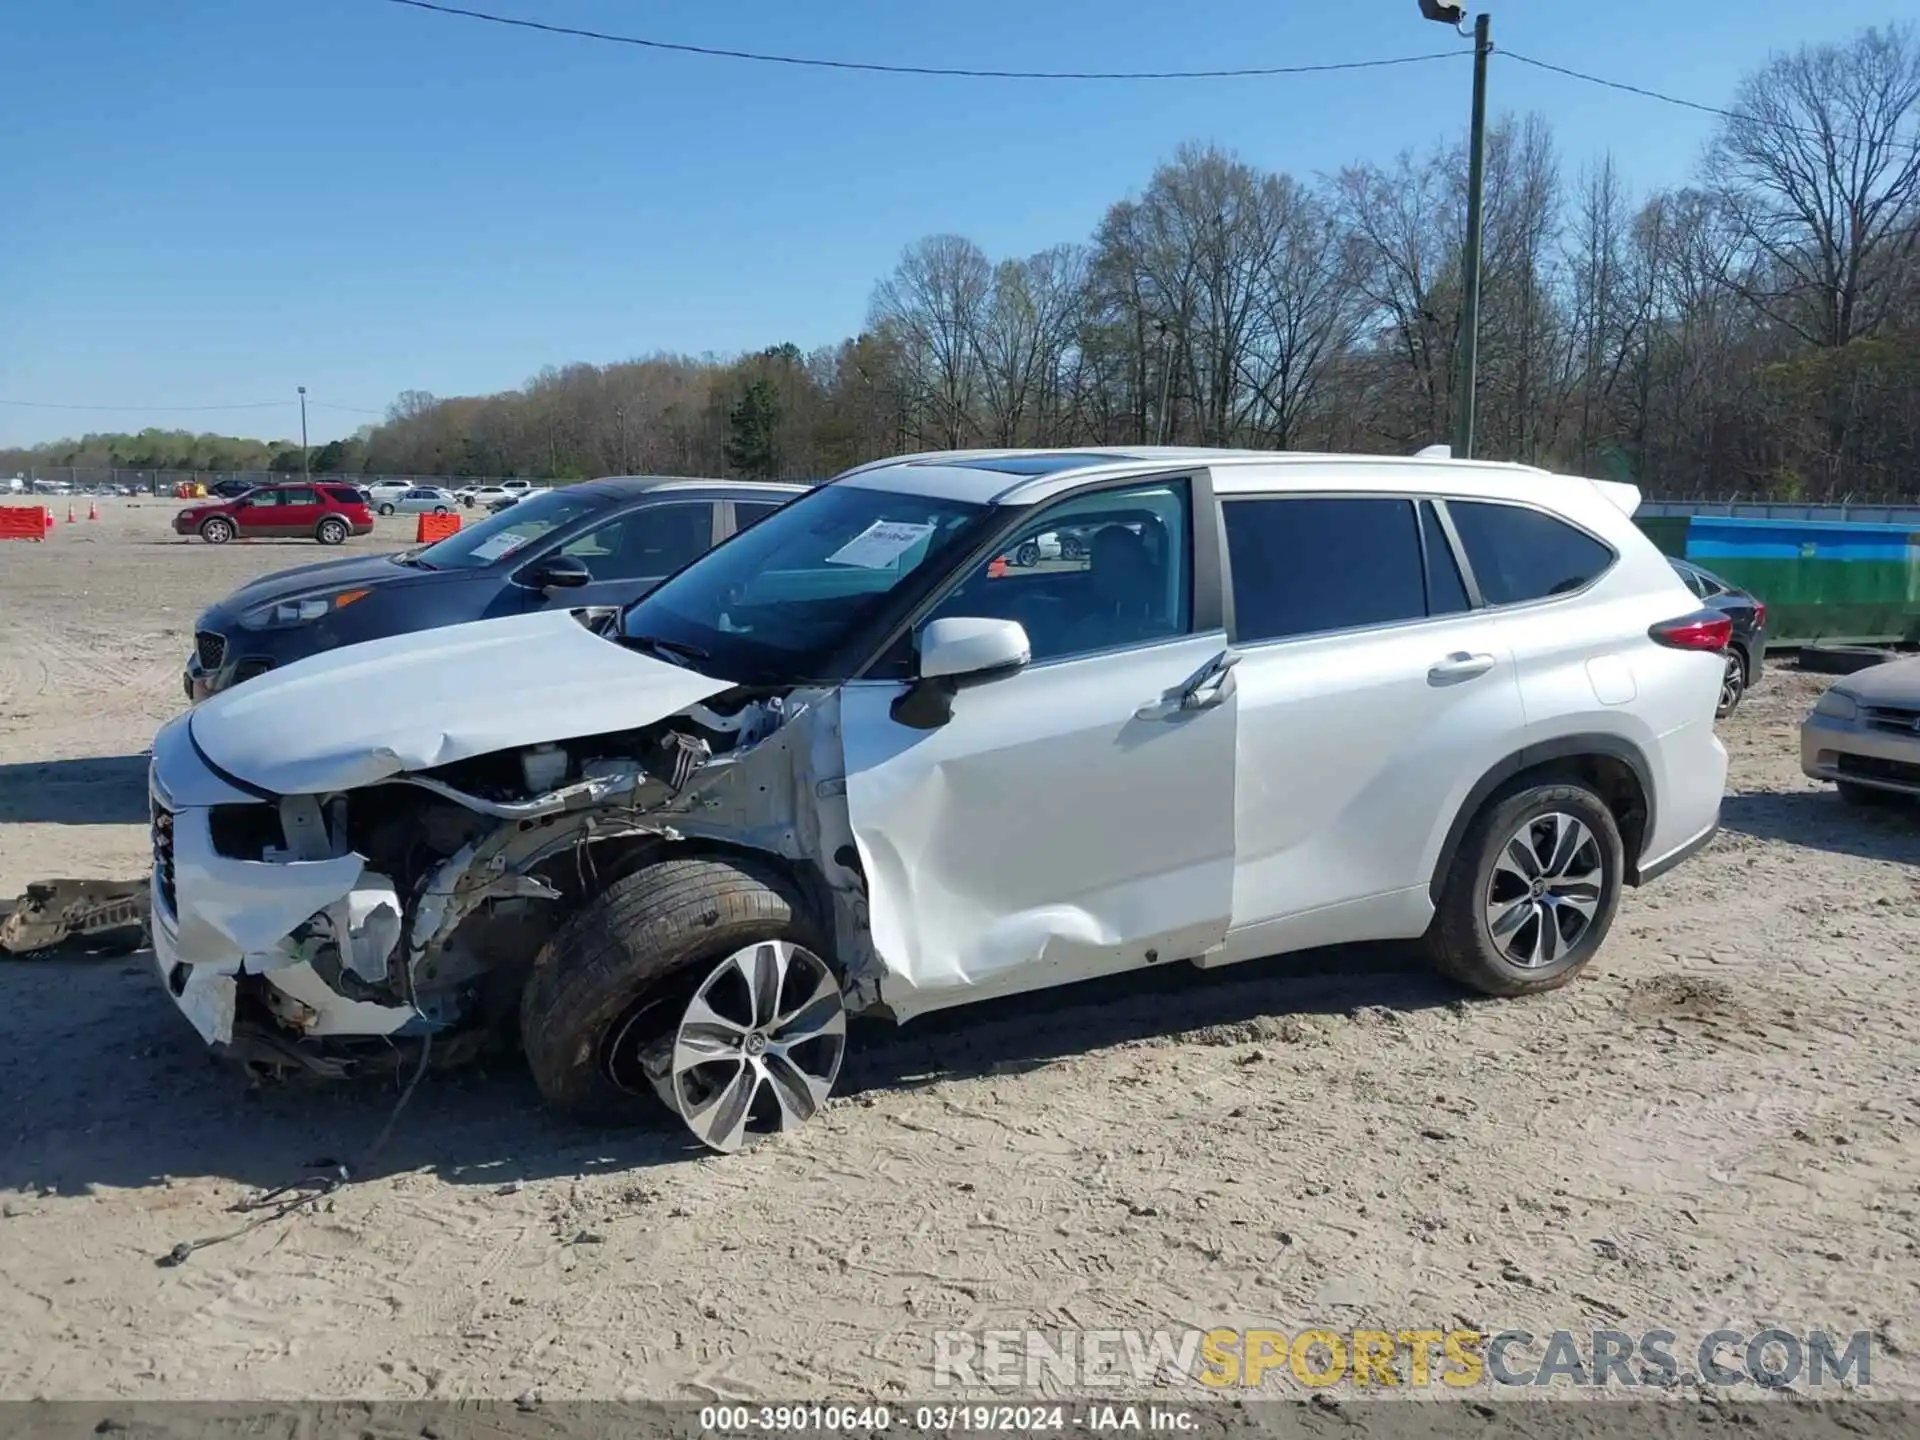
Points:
x=1033, y=464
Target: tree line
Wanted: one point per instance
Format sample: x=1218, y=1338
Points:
x=1756, y=331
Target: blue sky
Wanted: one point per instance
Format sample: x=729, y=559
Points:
x=213, y=201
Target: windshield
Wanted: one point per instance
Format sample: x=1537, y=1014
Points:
x=500, y=535
x=776, y=603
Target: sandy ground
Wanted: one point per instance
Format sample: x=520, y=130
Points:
x=1717, y=1125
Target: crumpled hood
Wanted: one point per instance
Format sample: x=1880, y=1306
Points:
x=359, y=714
x=1895, y=683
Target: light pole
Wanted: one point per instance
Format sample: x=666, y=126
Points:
x=1166, y=382
x=1466, y=376
x=305, y=472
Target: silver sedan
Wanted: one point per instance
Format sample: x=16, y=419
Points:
x=1864, y=734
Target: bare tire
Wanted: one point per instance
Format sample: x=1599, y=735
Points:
x=1532, y=891
x=331, y=532
x=386, y=508
x=619, y=974
x=1843, y=659
x=216, y=531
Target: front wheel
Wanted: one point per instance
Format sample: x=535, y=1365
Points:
x=1027, y=556
x=331, y=532
x=1532, y=891
x=216, y=531
x=699, y=980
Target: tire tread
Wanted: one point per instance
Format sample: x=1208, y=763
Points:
x=638, y=932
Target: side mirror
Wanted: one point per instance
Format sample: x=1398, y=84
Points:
x=956, y=651
x=558, y=572
x=961, y=646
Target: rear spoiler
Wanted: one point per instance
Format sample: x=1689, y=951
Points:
x=1625, y=497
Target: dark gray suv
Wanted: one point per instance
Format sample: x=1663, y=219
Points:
x=600, y=543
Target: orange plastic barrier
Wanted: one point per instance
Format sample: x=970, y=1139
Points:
x=435, y=527
x=24, y=522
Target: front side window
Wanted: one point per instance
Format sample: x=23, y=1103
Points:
x=646, y=543
x=1519, y=554
x=777, y=603
x=1097, y=572
x=1308, y=564
x=498, y=536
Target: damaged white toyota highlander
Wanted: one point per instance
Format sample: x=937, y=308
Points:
x=854, y=761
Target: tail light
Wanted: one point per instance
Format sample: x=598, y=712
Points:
x=1702, y=630
x=1759, y=614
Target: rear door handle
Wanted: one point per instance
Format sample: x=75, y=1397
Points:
x=1459, y=666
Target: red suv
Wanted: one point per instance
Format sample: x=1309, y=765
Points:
x=326, y=512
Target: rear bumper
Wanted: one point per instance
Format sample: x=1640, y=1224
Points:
x=1651, y=870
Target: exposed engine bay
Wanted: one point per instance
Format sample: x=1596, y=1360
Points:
x=459, y=874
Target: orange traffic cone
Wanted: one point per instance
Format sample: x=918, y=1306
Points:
x=997, y=568
x=70, y=512
x=49, y=515
x=93, y=509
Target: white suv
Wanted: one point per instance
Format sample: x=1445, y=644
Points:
x=854, y=760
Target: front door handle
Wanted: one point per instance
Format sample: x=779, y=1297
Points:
x=1459, y=666
x=1210, y=685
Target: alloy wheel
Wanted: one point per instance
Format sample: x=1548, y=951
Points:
x=1733, y=684
x=757, y=1046
x=1545, y=890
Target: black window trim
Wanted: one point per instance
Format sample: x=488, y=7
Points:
x=1206, y=596
x=1466, y=564
x=1475, y=602
x=561, y=536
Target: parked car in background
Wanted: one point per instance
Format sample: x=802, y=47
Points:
x=1747, y=650
x=420, y=500
x=1291, y=701
x=381, y=490
x=321, y=511
x=598, y=544
x=231, y=488
x=1864, y=734
x=485, y=495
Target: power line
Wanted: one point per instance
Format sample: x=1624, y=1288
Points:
x=1647, y=94
x=958, y=72
x=163, y=409
x=190, y=409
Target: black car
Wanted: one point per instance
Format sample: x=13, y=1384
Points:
x=601, y=543
x=1748, y=652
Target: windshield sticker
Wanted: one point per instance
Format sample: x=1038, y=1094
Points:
x=498, y=545
x=880, y=544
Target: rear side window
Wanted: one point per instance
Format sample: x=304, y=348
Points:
x=1311, y=564
x=1519, y=554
